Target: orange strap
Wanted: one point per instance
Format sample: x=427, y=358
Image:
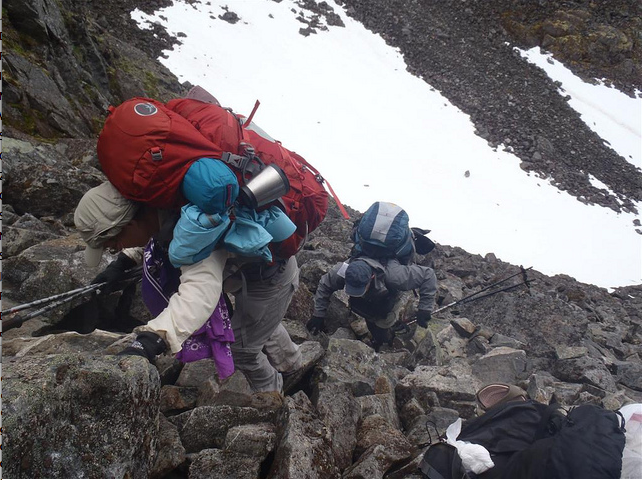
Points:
x=334, y=195
x=338, y=202
x=249, y=119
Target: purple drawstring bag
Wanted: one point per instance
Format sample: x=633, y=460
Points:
x=213, y=339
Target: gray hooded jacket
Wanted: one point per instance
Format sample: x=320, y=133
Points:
x=391, y=278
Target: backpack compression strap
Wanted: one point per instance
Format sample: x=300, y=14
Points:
x=322, y=180
x=318, y=176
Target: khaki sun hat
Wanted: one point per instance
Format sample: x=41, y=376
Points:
x=101, y=214
x=499, y=393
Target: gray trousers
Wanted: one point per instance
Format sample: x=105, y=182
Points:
x=263, y=348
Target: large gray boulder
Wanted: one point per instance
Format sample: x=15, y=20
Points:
x=42, y=179
x=356, y=364
x=62, y=343
x=246, y=447
x=379, y=446
x=217, y=463
x=340, y=413
x=381, y=404
x=44, y=95
x=79, y=416
x=256, y=440
x=41, y=19
x=171, y=453
x=502, y=364
x=33, y=269
x=26, y=232
x=585, y=370
x=303, y=446
x=451, y=386
x=206, y=427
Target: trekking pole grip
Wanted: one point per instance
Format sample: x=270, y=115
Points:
x=15, y=322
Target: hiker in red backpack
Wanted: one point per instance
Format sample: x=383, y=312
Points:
x=375, y=278
x=260, y=346
x=234, y=228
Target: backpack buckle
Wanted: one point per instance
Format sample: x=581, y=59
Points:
x=157, y=154
x=237, y=161
x=248, y=163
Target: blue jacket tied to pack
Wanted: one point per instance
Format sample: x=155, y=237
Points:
x=212, y=189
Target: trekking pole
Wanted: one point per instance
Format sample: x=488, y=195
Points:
x=18, y=320
x=462, y=300
x=53, y=298
x=130, y=274
x=63, y=298
x=470, y=298
x=527, y=283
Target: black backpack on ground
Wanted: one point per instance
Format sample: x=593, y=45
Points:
x=441, y=460
x=527, y=439
x=509, y=428
x=588, y=444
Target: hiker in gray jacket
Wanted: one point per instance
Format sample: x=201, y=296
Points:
x=376, y=288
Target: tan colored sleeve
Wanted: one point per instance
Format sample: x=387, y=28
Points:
x=135, y=253
x=189, y=308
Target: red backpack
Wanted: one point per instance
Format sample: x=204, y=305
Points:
x=146, y=147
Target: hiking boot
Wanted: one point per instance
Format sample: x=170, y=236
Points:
x=148, y=345
x=311, y=353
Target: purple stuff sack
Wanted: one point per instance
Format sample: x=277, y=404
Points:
x=213, y=339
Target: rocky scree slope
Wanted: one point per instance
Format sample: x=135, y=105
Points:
x=352, y=413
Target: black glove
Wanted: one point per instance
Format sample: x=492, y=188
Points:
x=315, y=325
x=379, y=335
x=114, y=272
x=423, y=317
x=147, y=344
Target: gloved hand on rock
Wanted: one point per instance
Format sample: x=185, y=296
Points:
x=148, y=345
x=423, y=317
x=315, y=325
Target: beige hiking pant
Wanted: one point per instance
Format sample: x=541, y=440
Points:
x=263, y=348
